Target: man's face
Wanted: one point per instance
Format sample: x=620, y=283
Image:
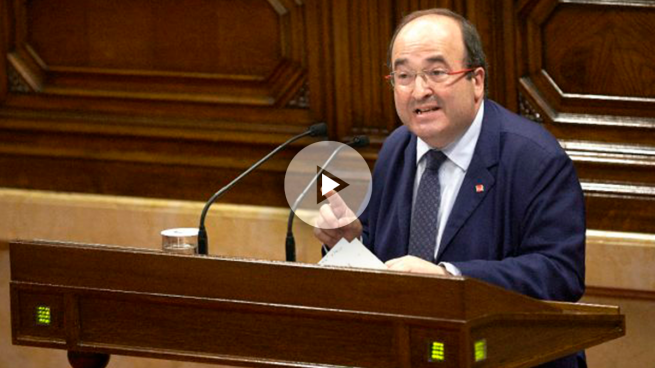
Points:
x=438, y=113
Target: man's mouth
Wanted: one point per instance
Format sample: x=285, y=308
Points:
x=425, y=110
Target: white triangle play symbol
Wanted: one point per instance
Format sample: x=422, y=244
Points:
x=327, y=184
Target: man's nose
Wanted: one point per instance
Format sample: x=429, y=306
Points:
x=422, y=87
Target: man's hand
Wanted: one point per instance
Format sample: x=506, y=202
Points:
x=336, y=221
x=416, y=265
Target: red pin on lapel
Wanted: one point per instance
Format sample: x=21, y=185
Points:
x=479, y=188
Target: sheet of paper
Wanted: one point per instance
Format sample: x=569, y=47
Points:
x=353, y=254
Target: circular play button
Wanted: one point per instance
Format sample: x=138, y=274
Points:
x=319, y=171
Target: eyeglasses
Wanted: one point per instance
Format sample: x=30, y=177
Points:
x=404, y=78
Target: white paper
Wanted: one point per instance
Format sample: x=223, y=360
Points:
x=353, y=254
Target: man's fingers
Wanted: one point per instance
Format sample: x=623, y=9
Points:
x=336, y=221
x=346, y=220
x=327, y=218
x=397, y=264
x=415, y=265
x=328, y=225
x=390, y=263
x=325, y=238
x=339, y=207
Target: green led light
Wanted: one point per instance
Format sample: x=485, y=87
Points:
x=480, y=349
x=43, y=316
x=437, y=351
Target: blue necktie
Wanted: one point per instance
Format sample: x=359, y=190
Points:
x=425, y=218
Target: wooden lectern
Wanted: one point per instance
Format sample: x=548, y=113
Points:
x=96, y=300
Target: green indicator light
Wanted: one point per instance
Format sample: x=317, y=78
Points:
x=480, y=349
x=43, y=316
x=437, y=351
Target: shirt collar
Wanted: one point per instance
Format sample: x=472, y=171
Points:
x=461, y=150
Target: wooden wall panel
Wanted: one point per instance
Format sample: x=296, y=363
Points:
x=495, y=22
x=169, y=49
x=587, y=73
x=201, y=89
x=364, y=105
x=190, y=84
x=150, y=89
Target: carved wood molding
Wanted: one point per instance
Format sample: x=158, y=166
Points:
x=155, y=67
x=495, y=22
x=528, y=111
x=618, y=190
x=583, y=69
x=570, y=59
x=618, y=182
x=626, y=154
x=609, y=209
x=301, y=100
x=615, y=293
x=16, y=83
x=363, y=98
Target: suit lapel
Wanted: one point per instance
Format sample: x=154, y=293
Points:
x=478, y=180
x=406, y=191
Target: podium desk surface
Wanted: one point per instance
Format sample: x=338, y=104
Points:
x=133, y=301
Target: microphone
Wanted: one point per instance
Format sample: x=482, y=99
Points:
x=290, y=244
x=316, y=130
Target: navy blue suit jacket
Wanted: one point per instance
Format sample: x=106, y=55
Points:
x=524, y=231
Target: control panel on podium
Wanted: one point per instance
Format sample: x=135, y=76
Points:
x=98, y=300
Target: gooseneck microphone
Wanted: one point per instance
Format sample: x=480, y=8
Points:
x=290, y=244
x=316, y=130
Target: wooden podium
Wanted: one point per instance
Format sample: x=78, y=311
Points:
x=96, y=300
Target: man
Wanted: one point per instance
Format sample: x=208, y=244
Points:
x=466, y=187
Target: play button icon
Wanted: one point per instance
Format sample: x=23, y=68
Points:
x=327, y=182
x=325, y=167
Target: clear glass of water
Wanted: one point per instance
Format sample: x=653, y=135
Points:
x=182, y=240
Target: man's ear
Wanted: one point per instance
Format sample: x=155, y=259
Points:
x=478, y=82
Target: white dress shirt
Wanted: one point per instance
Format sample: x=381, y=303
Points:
x=451, y=173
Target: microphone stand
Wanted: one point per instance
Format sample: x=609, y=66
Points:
x=203, y=241
x=290, y=243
